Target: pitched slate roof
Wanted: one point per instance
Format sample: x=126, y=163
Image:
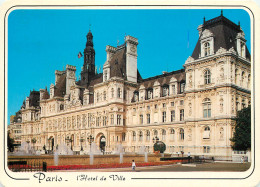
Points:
x=34, y=98
x=60, y=87
x=224, y=31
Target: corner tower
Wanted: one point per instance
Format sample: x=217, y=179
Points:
x=89, y=60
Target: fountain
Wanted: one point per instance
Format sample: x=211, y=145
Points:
x=93, y=151
x=120, y=151
x=63, y=149
x=24, y=149
x=142, y=151
x=56, y=158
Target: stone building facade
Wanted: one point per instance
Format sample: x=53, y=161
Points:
x=190, y=110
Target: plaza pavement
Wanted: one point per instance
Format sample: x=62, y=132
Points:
x=215, y=166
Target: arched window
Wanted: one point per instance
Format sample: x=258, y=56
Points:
x=242, y=78
x=147, y=135
x=140, y=136
x=249, y=81
x=206, y=49
x=181, y=134
x=206, y=133
x=118, y=92
x=172, y=132
x=206, y=108
x=207, y=77
x=134, y=136
x=155, y=133
x=163, y=134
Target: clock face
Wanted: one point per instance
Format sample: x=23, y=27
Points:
x=133, y=49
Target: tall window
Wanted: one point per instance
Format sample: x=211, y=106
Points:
x=206, y=49
x=164, y=117
x=243, y=103
x=112, y=119
x=104, y=120
x=97, y=97
x=118, y=92
x=140, y=136
x=147, y=135
x=236, y=76
x=136, y=96
x=181, y=134
x=206, y=108
x=150, y=94
x=112, y=92
x=163, y=134
x=104, y=95
x=155, y=133
x=148, y=118
x=207, y=77
x=172, y=115
x=242, y=78
x=173, y=89
x=181, y=114
x=243, y=50
x=118, y=119
x=141, y=119
x=249, y=81
x=165, y=91
x=134, y=136
x=123, y=136
x=172, y=132
x=182, y=87
x=206, y=149
x=206, y=133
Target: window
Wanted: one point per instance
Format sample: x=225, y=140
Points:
x=134, y=136
x=105, y=95
x=150, y=94
x=104, y=120
x=207, y=77
x=182, y=87
x=181, y=114
x=172, y=132
x=97, y=97
x=141, y=119
x=181, y=102
x=112, y=92
x=118, y=119
x=243, y=103
x=236, y=76
x=173, y=89
x=148, y=118
x=164, y=117
x=112, y=119
x=136, y=96
x=61, y=107
x=147, y=135
x=172, y=103
x=181, y=134
x=242, y=78
x=155, y=106
x=206, y=49
x=123, y=137
x=165, y=91
x=155, y=133
x=243, y=50
x=140, y=136
x=163, y=135
x=105, y=75
x=249, y=81
x=206, y=108
x=148, y=107
x=164, y=105
x=172, y=115
x=206, y=133
x=206, y=149
x=118, y=92
x=237, y=104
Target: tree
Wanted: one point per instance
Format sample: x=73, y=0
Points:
x=242, y=135
x=34, y=141
x=159, y=146
x=10, y=143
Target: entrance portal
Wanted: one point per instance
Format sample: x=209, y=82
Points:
x=102, y=143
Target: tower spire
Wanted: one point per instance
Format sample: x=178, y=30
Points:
x=221, y=14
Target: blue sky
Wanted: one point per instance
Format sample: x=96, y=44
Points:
x=42, y=41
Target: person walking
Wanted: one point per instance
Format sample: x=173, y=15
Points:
x=189, y=157
x=133, y=165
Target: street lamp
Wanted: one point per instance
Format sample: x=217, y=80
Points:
x=155, y=139
x=90, y=140
x=81, y=140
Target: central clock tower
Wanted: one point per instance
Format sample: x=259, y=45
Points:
x=88, y=70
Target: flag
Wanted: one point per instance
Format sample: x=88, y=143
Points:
x=79, y=55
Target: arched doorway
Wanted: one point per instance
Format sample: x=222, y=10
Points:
x=102, y=143
x=51, y=143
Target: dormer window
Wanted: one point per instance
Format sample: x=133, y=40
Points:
x=206, y=49
x=149, y=94
x=243, y=49
x=165, y=91
x=136, y=95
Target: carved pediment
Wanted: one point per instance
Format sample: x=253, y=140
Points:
x=206, y=34
x=221, y=51
x=189, y=60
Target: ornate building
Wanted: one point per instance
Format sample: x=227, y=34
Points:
x=190, y=110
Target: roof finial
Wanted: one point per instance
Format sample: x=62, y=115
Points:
x=204, y=20
x=221, y=13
